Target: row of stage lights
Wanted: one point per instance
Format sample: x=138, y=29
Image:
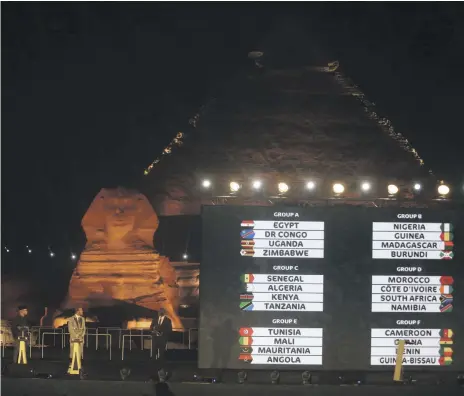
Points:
x=50, y=252
x=338, y=188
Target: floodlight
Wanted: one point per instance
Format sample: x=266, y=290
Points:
x=417, y=186
x=73, y=256
x=310, y=185
x=392, y=189
x=275, y=377
x=185, y=256
x=257, y=184
x=52, y=254
x=365, y=186
x=338, y=188
x=234, y=187
x=206, y=184
x=283, y=187
x=443, y=190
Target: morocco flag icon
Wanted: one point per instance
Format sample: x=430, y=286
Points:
x=445, y=361
x=446, y=280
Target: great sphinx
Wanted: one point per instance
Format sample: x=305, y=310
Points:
x=119, y=263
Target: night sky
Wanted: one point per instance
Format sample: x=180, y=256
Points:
x=92, y=92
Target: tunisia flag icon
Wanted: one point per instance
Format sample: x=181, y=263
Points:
x=246, y=331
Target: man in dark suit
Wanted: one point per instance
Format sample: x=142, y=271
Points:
x=20, y=330
x=161, y=331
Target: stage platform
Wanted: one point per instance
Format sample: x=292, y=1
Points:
x=48, y=377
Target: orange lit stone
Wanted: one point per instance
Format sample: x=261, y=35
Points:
x=119, y=262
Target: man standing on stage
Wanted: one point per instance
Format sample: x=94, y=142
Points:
x=161, y=330
x=19, y=329
x=76, y=327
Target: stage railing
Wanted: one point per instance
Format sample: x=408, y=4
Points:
x=58, y=331
x=107, y=331
x=130, y=342
x=190, y=336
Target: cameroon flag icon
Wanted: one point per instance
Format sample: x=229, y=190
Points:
x=446, y=333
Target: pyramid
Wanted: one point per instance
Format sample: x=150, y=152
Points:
x=291, y=116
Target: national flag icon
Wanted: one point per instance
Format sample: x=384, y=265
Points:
x=446, y=227
x=445, y=361
x=247, y=278
x=245, y=357
x=246, y=331
x=446, y=307
x=246, y=306
x=449, y=245
x=247, y=243
x=446, y=333
x=446, y=255
x=446, y=341
x=247, y=253
x=446, y=298
x=446, y=236
x=246, y=349
x=446, y=351
x=248, y=223
x=247, y=234
x=446, y=280
x=445, y=289
x=246, y=341
x=246, y=297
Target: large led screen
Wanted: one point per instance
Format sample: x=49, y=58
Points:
x=331, y=288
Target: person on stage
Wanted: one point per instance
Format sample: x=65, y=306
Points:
x=20, y=329
x=161, y=331
x=76, y=327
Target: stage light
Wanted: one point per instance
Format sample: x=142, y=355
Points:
x=283, y=187
x=443, y=190
x=206, y=184
x=417, y=186
x=234, y=187
x=124, y=373
x=73, y=256
x=52, y=254
x=275, y=377
x=338, y=188
x=306, y=378
x=7, y=250
x=365, y=186
x=241, y=377
x=257, y=184
x=310, y=185
x=162, y=375
x=29, y=251
x=185, y=256
x=392, y=189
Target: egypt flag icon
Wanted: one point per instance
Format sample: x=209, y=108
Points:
x=247, y=278
x=247, y=234
x=248, y=223
x=446, y=280
x=446, y=352
x=444, y=255
x=445, y=361
x=446, y=333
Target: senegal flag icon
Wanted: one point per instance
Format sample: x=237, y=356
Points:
x=247, y=278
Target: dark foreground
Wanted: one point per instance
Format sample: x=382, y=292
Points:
x=48, y=377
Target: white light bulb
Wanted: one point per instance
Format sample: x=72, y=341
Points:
x=443, y=189
x=206, y=183
x=283, y=187
x=185, y=256
x=338, y=188
x=365, y=186
x=257, y=184
x=52, y=254
x=310, y=185
x=392, y=189
x=234, y=186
